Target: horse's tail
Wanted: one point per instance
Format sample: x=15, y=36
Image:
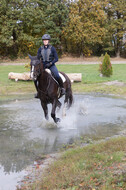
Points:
x=70, y=97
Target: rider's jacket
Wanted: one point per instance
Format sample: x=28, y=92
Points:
x=47, y=54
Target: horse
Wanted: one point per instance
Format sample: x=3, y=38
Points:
x=48, y=88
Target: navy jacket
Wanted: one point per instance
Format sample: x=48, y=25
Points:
x=53, y=52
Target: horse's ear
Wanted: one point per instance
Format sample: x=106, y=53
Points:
x=30, y=56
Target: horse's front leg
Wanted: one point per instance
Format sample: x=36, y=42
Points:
x=45, y=109
x=53, y=115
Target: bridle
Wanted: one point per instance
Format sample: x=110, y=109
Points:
x=38, y=70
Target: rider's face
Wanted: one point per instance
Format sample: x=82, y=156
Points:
x=45, y=42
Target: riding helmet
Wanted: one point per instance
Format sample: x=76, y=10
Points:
x=46, y=37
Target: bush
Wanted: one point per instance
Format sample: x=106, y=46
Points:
x=106, y=67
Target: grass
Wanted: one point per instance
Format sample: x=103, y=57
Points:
x=90, y=73
x=99, y=166
x=91, y=81
x=8, y=86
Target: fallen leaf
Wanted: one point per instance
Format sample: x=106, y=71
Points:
x=81, y=184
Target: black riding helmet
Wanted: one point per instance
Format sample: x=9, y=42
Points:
x=46, y=37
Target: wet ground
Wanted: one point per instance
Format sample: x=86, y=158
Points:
x=25, y=135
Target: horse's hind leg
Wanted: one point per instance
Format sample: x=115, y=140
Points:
x=45, y=109
x=53, y=115
x=64, y=109
x=65, y=105
x=58, y=104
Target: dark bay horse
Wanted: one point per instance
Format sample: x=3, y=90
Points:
x=48, y=88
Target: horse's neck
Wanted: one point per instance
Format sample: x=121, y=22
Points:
x=43, y=77
x=43, y=80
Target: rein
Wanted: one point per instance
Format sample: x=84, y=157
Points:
x=45, y=92
x=48, y=81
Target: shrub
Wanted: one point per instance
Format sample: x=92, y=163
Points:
x=106, y=67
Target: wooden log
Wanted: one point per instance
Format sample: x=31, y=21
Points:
x=77, y=77
x=19, y=76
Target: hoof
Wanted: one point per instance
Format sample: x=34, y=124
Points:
x=57, y=120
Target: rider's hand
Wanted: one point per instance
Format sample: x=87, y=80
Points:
x=48, y=65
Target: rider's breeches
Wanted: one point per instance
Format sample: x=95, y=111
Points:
x=56, y=75
x=55, y=72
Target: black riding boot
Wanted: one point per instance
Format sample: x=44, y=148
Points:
x=61, y=86
x=36, y=86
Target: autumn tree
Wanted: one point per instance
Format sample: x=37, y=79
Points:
x=85, y=27
x=115, y=26
x=82, y=27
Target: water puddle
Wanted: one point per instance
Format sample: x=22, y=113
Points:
x=26, y=135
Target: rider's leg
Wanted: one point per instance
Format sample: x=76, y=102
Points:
x=36, y=86
x=61, y=85
x=55, y=72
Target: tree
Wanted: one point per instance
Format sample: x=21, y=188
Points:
x=21, y=23
x=85, y=27
x=55, y=20
x=106, y=67
x=115, y=26
x=10, y=14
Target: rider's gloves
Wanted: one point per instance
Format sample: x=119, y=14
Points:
x=48, y=65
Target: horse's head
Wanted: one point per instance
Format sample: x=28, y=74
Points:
x=35, y=67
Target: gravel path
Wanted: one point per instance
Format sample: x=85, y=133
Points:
x=91, y=62
x=70, y=62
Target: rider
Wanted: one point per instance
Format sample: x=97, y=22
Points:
x=47, y=53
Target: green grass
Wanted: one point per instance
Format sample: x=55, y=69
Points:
x=8, y=86
x=91, y=81
x=99, y=166
x=90, y=73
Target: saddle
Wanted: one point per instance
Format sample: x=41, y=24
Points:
x=62, y=77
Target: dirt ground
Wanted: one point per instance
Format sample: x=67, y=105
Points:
x=66, y=60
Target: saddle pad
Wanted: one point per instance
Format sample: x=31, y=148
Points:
x=62, y=77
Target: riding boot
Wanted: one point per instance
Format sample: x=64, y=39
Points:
x=36, y=86
x=61, y=86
